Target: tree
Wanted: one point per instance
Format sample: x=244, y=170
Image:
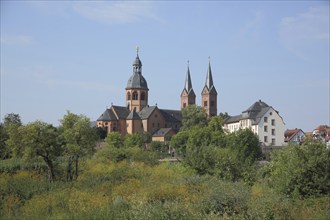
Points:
x=179, y=141
x=224, y=115
x=40, y=140
x=301, y=170
x=193, y=116
x=114, y=139
x=4, y=150
x=218, y=135
x=134, y=140
x=200, y=155
x=12, y=119
x=246, y=144
x=10, y=141
x=80, y=139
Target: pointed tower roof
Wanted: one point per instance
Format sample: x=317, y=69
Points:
x=209, y=79
x=137, y=61
x=188, y=84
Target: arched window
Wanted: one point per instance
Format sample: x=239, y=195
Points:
x=128, y=96
x=143, y=96
x=135, y=95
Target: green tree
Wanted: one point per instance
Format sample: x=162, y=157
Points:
x=301, y=170
x=218, y=135
x=193, y=116
x=200, y=153
x=10, y=140
x=80, y=139
x=4, y=149
x=134, y=140
x=114, y=139
x=224, y=115
x=246, y=144
x=40, y=140
x=179, y=141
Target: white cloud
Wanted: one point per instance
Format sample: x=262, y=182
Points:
x=16, y=39
x=305, y=30
x=116, y=12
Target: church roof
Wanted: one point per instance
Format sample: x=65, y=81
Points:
x=209, y=81
x=137, y=81
x=121, y=111
x=146, y=112
x=171, y=115
x=133, y=115
x=162, y=132
x=137, y=61
x=188, y=85
x=107, y=115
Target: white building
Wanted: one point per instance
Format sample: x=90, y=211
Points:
x=263, y=120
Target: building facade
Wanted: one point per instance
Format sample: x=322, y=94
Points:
x=263, y=120
x=137, y=116
x=294, y=135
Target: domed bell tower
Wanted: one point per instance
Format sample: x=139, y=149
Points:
x=137, y=87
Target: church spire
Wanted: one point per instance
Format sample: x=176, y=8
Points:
x=209, y=79
x=209, y=94
x=137, y=64
x=188, y=85
x=188, y=96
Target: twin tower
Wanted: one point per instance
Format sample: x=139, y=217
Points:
x=209, y=93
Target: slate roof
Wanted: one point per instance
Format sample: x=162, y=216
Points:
x=146, y=111
x=161, y=132
x=188, y=85
x=121, y=111
x=133, y=116
x=107, y=115
x=171, y=115
x=256, y=107
x=232, y=119
x=209, y=81
x=137, y=81
x=255, y=112
x=137, y=61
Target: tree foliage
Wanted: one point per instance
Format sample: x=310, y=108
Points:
x=40, y=140
x=301, y=170
x=193, y=116
x=10, y=139
x=79, y=138
x=114, y=139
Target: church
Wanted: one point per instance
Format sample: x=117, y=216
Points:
x=137, y=116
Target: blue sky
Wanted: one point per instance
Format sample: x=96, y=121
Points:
x=62, y=55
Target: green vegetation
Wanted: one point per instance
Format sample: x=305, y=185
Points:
x=218, y=178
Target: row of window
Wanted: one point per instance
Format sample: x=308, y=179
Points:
x=272, y=121
x=135, y=96
x=266, y=140
x=266, y=130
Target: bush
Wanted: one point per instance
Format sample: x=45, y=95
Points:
x=301, y=171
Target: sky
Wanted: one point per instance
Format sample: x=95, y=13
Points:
x=59, y=56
